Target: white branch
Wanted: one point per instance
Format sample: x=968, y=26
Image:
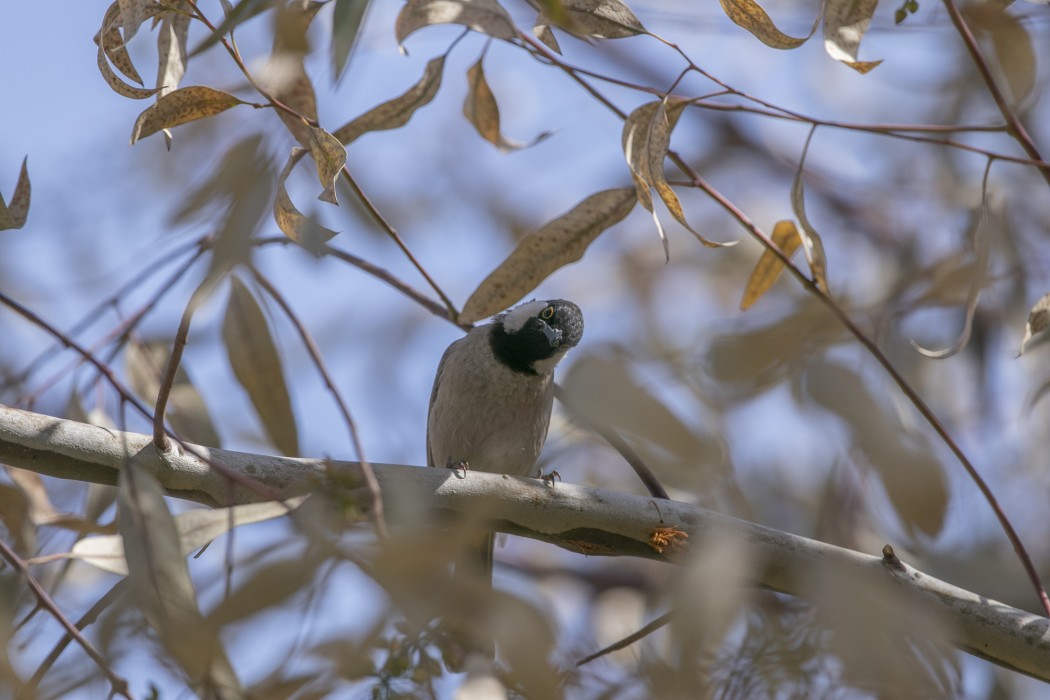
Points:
x=591, y=521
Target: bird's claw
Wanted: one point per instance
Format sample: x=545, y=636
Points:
x=550, y=477
x=456, y=465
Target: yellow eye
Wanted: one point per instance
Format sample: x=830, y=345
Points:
x=547, y=314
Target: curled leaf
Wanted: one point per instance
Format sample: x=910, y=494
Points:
x=330, y=156
x=13, y=214
x=554, y=245
x=750, y=15
x=398, y=111
x=785, y=236
x=171, y=47
x=485, y=16
x=481, y=110
x=257, y=366
x=845, y=22
x=812, y=245
x=180, y=107
x=597, y=19
x=1038, y=322
x=111, y=49
x=288, y=217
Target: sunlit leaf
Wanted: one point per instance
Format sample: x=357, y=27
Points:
x=186, y=411
x=785, y=236
x=398, y=111
x=1015, y=56
x=111, y=49
x=750, y=15
x=598, y=19
x=845, y=23
x=288, y=217
x=485, y=16
x=133, y=13
x=812, y=245
x=1038, y=322
x=257, y=366
x=346, y=25
x=161, y=585
x=180, y=107
x=171, y=50
x=13, y=214
x=330, y=156
x=911, y=474
x=481, y=110
x=549, y=248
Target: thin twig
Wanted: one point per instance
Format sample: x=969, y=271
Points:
x=629, y=639
x=311, y=347
x=120, y=686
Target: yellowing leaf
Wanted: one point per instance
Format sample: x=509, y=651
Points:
x=845, y=22
x=485, y=16
x=289, y=219
x=554, y=245
x=1014, y=54
x=812, y=245
x=481, y=110
x=750, y=15
x=398, y=111
x=769, y=267
x=257, y=366
x=14, y=214
x=180, y=107
x=330, y=157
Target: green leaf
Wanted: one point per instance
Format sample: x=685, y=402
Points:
x=346, y=25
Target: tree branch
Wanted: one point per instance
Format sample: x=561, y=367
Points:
x=583, y=520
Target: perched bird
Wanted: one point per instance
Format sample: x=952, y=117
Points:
x=491, y=403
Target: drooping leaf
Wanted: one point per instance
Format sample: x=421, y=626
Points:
x=912, y=476
x=257, y=366
x=186, y=411
x=785, y=236
x=346, y=25
x=111, y=49
x=750, y=15
x=1038, y=322
x=596, y=19
x=14, y=515
x=171, y=50
x=845, y=23
x=133, y=13
x=1015, y=56
x=481, y=110
x=485, y=16
x=289, y=219
x=294, y=88
x=554, y=245
x=180, y=107
x=398, y=111
x=330, y=156
x=812, y=245
x=13, y=214
x=161, y=585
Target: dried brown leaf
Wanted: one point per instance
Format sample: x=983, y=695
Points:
x=812, y=245
x=785, y=236
x=14, y=515
x=295, y=90
x=597, y=19
x=845, y=23
x=485, y=16
x=330, y=156
x=180, y=107
x=257, y=366
x=133, y=13
x=13, y=214
x=398, y=111
x=481, y=110
x=554, y=245
x=288, y=217
x=750, y=15
x=161, y=585
x=111, y=49
x=171, y=46
x=545, y=34
x=1038, y=322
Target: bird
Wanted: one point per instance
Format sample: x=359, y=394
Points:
x=490, y=407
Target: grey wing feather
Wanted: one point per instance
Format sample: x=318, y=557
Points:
x=433, y=396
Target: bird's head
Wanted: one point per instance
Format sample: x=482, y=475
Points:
x=534, y=336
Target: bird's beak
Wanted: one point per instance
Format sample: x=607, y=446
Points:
x=553, y=335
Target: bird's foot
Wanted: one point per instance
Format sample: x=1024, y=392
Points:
x=457, y=466
x=550, y=477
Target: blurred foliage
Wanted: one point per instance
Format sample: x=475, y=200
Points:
x=915, y=214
